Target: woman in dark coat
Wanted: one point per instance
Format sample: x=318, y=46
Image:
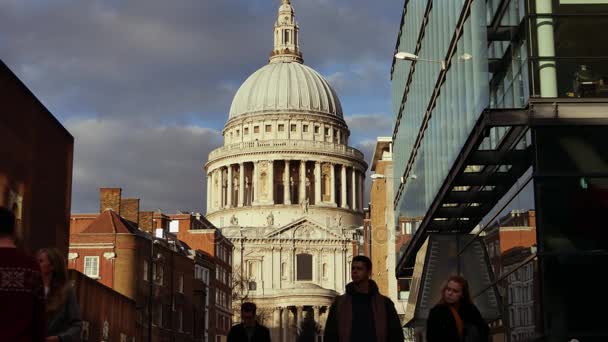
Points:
x=63, y=314
x=455, y=318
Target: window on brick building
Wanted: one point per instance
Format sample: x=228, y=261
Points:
x=91, y=266
x=146, y=270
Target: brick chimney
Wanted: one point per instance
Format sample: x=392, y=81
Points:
x=146, y=221
x=109, y=198
x=129, y=209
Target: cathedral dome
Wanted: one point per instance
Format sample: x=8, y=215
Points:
x=286, y=87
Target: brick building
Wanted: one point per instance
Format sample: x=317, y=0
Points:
x=35, y=166
x=148, y=265
x=200, y=234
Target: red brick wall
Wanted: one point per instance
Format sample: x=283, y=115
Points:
x=99, y=304
x=109, y=198
x=129, y=209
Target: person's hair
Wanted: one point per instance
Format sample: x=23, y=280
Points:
x=7, y=222
x=58, y=285
x=466, y=293
x=363, y=259
x=248, y=307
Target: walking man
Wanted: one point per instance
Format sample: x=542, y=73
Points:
x=22, y=312
x=250, y=330
x=362, y=314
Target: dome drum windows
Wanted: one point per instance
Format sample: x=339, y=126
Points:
x=281, y=128
x=268, y=129
x=256, y=129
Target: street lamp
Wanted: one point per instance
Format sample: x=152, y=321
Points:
x=381, y=176
x=407, y=56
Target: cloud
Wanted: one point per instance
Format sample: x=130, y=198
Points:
x=136, y=82
x=370, y=125
x=163, y=166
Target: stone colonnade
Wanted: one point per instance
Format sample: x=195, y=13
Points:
x=298, y=182
x=289, y=322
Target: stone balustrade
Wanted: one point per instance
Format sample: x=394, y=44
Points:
x=290, y=145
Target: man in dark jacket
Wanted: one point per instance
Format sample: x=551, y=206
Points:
x=362, y=314
x=250, y=330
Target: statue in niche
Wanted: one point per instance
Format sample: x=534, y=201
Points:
x=305, y=205
x=293, y=190
x=224, y=189
x=235, y=190
x=307, y=187
x=248, y=192
x=270, y=219
x=234, y=221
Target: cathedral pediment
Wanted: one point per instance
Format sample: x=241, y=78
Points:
x=305, y=229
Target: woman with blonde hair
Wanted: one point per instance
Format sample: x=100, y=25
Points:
x=455, y=318
x=63, y=314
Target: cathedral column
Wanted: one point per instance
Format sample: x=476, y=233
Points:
x=270, y=180
x=332, y=177
x=209, y=192
x=285, y=323
x=302, y=181
x=229, y=187
x=254, y=182
x=221, y=183
x=286, y=185
x=316, y=316
x=343, y=182
x=276, y=324
x=317, y=183
x=299, y=318
x=354, y=189
x=241, y=185
x=362, y=190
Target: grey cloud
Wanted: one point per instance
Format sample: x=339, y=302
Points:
x=370, y=125
x=163, y=166
x=162, y=60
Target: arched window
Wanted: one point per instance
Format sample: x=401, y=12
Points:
x=304, y=267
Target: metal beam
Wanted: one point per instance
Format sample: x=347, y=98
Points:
x=462, y=211
x=481, y=179
x=491, y=157
x=470, y=196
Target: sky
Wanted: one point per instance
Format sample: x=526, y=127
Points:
x=145, y=86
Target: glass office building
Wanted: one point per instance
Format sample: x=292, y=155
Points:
x=501, y=141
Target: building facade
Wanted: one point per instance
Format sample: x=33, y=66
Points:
x=150, y=267
x=501, y=106
x=287, y=190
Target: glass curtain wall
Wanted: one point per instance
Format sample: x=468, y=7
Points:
x=463, y=95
